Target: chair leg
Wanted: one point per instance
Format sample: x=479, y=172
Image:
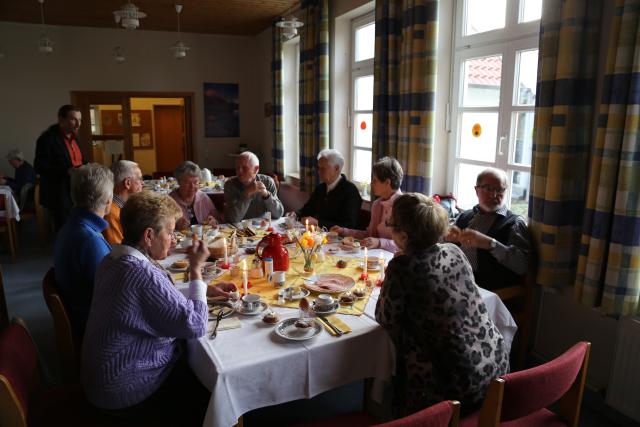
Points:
x=10, y=236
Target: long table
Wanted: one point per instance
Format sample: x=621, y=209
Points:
x=251, y=367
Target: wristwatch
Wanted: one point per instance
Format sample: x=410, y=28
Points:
x=493, y=244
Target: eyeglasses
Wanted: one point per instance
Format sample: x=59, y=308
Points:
x=489, y=189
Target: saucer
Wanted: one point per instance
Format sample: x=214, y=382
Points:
x=375, y=267
x=298, y=295
x=330, y=309
x=263, y=306
x=178, y=270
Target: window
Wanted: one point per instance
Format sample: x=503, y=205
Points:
x=361, y=115
x=494, y=87
x=290, y=88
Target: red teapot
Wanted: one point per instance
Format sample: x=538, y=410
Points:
x=271, y=246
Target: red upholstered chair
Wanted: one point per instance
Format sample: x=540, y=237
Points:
x=521, y=398
x=443, y=414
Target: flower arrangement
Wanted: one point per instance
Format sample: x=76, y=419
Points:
x=310, y=243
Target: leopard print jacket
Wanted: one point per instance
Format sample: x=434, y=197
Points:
x=446, y=345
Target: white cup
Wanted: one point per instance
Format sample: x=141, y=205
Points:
x=324, y=301
x=251, y=302
x=197, y=230
x=277, y=278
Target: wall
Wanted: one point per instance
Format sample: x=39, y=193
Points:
x=37, y=84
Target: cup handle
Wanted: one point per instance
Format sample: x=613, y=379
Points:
x=269, y=278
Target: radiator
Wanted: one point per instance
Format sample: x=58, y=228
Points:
x=623, y=392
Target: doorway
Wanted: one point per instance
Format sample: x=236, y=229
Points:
x=152, y=129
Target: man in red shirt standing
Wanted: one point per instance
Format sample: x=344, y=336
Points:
x=57, y=154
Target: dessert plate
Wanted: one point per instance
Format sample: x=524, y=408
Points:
x=288, y=330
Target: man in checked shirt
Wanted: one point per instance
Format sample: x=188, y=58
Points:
x=494, y=239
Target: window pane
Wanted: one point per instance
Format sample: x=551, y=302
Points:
x=465, y=191
x=478, y=136
x=365, y=42
x=362, y=126
x=527, y=69
x=482, y=81
x=484, y=15
x=520, y=193
x=361, y=165
x=364, y=93
x=530, y=10
x=523, y=125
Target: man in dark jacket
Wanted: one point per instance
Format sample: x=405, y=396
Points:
x=494, y=239
x=336, y=201
x=24, y=174
x=57, y=154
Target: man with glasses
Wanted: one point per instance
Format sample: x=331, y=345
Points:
x=494, y=239
x=127, y=182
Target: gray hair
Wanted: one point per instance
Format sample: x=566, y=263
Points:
x=388, y=168
x=15, y=154
x=253, y=159
x=498, y=173
x=333, y=156
x=186, y=168
x=91, y=186
x=123, y=169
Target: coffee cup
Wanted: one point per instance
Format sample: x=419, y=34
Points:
x=332, y=236
x=197, y=230
x=277, y=278
x=324, y=301
x=373, y=263
x=251, y=302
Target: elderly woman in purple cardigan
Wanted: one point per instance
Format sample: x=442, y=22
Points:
x=133, y=353
x=386, y=177
x=196, y=206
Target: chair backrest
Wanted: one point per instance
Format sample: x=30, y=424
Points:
x=4, y=311
x=443, y=414
x=62, y=327
x=528, y=391
x=18, y=374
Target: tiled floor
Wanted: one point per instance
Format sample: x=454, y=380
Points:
x=23, y=287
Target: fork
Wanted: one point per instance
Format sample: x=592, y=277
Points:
x=214, y=333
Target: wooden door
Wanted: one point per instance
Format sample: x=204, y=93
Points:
x=169, y=136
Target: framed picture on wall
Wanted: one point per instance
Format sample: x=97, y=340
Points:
x=221, y=110
x=145, y=140
x=142, y=138
x=135, y=119
x=135, y=140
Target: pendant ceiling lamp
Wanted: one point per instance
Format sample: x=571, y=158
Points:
x=45, y=45
x=129, y=16
x=179, y=49
x=289, y=27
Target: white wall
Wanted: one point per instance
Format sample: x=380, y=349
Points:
x=34, y=85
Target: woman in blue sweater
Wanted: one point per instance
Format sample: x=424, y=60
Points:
x=133, y=354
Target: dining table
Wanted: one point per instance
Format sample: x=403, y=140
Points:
x=11, y=209
x=249, y=366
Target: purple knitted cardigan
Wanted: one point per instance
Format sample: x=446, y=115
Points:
x=136, y=315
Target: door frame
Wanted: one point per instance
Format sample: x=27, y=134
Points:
x=84, y=100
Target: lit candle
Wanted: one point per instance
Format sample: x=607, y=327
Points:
x=313, y=228
x=226, y=254
x=244, y=277
x=306, y=224
x=381, y=262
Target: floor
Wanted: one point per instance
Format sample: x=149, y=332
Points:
x=23, y=287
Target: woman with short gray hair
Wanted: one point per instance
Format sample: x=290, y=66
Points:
x=386, y=177
x=24, y=177
x=80, y=245
x=197, y=207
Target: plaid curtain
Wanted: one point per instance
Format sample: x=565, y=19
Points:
x=277, y=101
x=608, y=273
x=404, y=92
x=314, y=88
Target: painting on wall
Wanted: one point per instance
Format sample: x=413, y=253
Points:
x=221, y=110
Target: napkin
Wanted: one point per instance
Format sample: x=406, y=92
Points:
x=335, y=320
x=227, y=323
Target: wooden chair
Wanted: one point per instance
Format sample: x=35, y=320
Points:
x=4, y=311
x=521, y=398
x=68, y=350
x=443, y=414
x=8, y=226
x=37, y=212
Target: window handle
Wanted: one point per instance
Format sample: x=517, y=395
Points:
x=502, y=139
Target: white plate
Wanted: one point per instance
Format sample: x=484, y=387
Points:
x=287, y=330
x=333, y=308
x=241, y=310
x=302, y=294
x=375, y=267
x=214, y=306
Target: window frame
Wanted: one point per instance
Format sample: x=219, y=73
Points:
x=291, y=131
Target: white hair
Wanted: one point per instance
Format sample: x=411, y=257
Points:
x=186, y=168
x=15, y=155
x=123, y=169
x=333, y=156
x=253, y=159
x=498, y=173
x=91, y=186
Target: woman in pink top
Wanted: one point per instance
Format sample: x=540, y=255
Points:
x=197, y=207
x=386, y=177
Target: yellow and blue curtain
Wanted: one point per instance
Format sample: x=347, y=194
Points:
x=314, y=88
x=584, y=206
x=277, y=101
x=404, y=87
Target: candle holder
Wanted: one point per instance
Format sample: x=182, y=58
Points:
x=364, y=276
x=225, y=266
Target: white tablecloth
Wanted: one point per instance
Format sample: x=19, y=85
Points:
x=251, y=367
x=11, y=210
